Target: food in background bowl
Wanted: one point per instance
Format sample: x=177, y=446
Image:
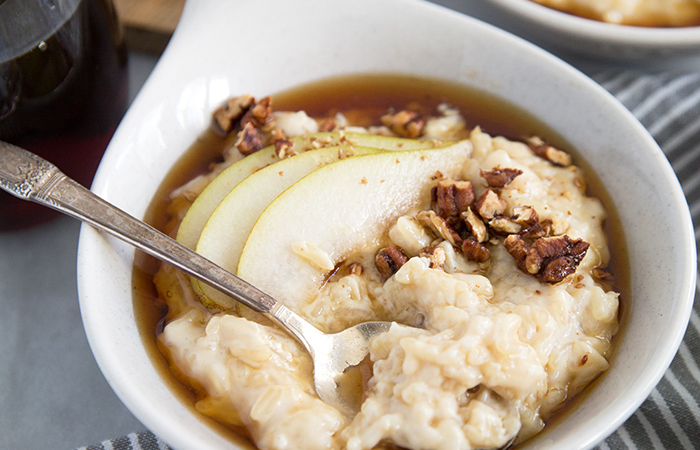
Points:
x=497, y=259
x=649, y=13
x=567, y=29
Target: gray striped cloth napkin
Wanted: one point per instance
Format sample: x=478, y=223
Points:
x=668, y=105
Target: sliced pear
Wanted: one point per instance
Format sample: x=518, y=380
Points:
x=198, y=214
x=335, y=211
x=227, y=229
x=196, y=217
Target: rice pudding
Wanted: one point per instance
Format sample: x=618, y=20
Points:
x=497, y=282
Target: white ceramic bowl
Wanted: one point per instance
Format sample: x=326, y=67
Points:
x=598, y=40
x=223, y=48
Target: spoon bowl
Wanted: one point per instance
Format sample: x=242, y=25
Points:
x=31, y=177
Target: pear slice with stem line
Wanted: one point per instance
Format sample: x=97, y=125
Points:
x=227, y=229
x=196, y=217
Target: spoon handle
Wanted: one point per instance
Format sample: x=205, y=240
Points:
x=30, y=177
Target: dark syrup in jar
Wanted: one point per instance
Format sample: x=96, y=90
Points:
x=63, y=100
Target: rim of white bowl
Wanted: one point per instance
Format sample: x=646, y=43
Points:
x=657, y=37
x=139, y=399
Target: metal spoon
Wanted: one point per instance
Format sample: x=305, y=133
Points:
x=30, y=177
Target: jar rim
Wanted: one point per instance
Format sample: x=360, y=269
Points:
x=34, y=20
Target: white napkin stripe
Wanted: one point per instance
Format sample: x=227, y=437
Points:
x=649, y=430
x=651, y=102
x=668, y=119
x=670, y=419
x=684, y=137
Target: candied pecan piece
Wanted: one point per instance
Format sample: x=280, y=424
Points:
x=436, y=255
x=453, y=197
x=551, y=154
x=226, y=117
x=405, y=123
x=475, y=251
x=389, y=260
x=249, y=140
x=498, y=178
x=439, y=227
x=554, y=258
x=518, y=249
x=490, y=205
x=475, y=225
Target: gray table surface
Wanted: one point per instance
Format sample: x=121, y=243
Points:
x=52, y=394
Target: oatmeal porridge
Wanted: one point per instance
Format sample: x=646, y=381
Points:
x=652, y=13
x=496, y=278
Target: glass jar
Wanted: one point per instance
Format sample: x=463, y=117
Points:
x=63, y=88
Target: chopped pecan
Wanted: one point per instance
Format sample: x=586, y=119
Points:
x=505, y=225
x=475, y=225
x=439, y=227
x=518, y=249
x=436, y=255
x=328, y=124
x=389, y=260
x=551, y=154
x=346, y=151
x=525, y=216
x=453, y=197
x=498, y=178
x=554, y=258
x=603, y=274
x=249, y=140
x=356, y=269
x=547, y=225
x=533, y=232
x=557, y=269
x=226, y=117
x=475, y=251
x=316, y=143
x=283, y=146
x=437, y=176
x=558, y=226
x=405, y=123
x=259, y=113
x=490, y=205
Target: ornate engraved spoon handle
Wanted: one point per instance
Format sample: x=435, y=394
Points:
x=28, y=176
